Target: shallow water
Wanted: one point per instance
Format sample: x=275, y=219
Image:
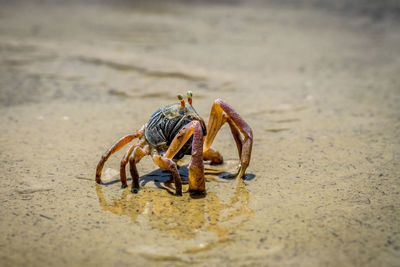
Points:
x=320, y=89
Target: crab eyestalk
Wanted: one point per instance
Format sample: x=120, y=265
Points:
x=180, y=97
x=190, y=96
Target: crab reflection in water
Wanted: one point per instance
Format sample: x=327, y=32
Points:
x=221, y=213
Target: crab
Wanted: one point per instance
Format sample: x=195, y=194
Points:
x=175, y=131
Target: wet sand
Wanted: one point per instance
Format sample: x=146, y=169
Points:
x=320, y=88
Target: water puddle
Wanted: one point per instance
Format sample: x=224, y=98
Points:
x=198, y=222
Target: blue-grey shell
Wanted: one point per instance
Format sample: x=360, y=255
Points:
x=163, y=127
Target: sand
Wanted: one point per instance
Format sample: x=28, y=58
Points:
x=319, y=86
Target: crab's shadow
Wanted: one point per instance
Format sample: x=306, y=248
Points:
x=162, y=178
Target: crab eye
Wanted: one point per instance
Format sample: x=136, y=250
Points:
x=180, y=97
x=190, y=95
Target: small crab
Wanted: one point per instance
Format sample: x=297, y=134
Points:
x=175, y=131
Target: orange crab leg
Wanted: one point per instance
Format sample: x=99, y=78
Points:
x=211, y=154
x=222, y=112
x=197, y=181
x=168, y=164
x=138, y=154
x=196, y=168
x=236, y=135
x=124, y=161
x=114, y=148
x=180, y=139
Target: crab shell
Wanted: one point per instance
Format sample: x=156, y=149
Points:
x=166, y=123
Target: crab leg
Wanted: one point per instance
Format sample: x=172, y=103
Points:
x=196, y=168
x=197, y=181
x=124, y=161
x=114, y=148
x=138, y=154
x=216, y=123
x=236, y=135
x=168, y=164
x=222, y=112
